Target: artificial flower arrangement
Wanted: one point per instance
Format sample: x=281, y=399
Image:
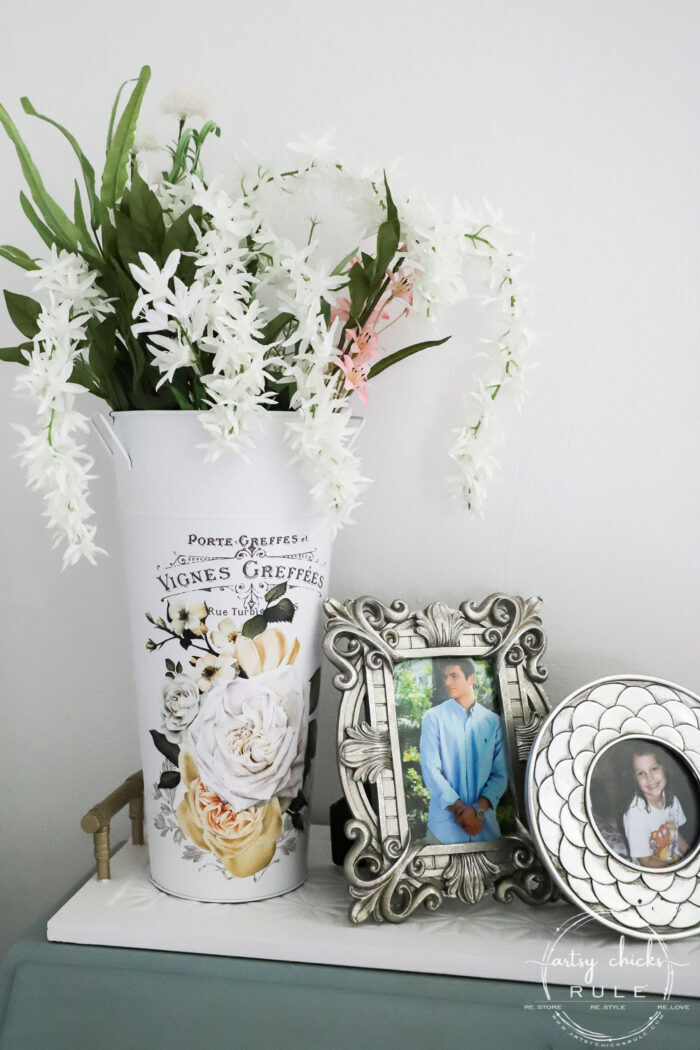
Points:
x=170, y=292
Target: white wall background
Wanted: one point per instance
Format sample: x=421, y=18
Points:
x=581, y=120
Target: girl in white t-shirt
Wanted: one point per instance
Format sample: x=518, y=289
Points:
x=654, y=815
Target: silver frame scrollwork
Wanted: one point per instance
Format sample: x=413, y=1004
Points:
x=390, y=876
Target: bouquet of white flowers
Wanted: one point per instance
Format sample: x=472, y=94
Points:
x=172, y=293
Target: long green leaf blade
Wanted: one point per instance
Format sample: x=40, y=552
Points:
x=115, y=107
x=85, y=165
x=66, y=233
x=40, y=227
x=78, y=213
x=116, y=164
x=18, y=257
x=399, y=355
x=391, y=213
x=343, y=263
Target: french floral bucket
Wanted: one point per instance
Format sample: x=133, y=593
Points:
x=227, y=567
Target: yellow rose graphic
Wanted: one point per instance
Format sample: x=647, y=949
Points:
x=244, y=841
x=266, y=652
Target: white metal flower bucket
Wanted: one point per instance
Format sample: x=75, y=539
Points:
x=227, y=567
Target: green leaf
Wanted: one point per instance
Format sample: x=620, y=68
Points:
x=40, y=227
x=392, y=216
x=78, y=214
x=117, y=160
x=104, y=360
x=14, y=353
x=368, y=267
x=343, y=263
x=399, y=355
x=359, y=288
x=273, y=328
x=182, y=236
x=170, y=664
x=387, y=243
x=166, y=747
x=209, y=128
x=115, y=107
x=147, y=216
x=283, y=391
x=85, y=165
x=24, y=313
x=283, y=612
x=276, y=592
x=180, y=233
x=129, y=244
x=108, y=232
x=18, y=257
x=83, y=376
x=388, y=236
x=169, y=779
x=253, y=627
x=67, y=234
x=182, y=401
x=186, y=142
x=314, y=690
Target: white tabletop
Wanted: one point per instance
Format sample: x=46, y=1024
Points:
x=491, y=940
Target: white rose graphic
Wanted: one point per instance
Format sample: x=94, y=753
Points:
x=250, y=736
x=180, y=705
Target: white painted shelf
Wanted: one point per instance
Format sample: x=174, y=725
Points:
x=311, y=925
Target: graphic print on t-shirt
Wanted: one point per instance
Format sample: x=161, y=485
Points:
x=663, y=841
x=653, y=832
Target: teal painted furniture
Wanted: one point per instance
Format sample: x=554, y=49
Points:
x=70, y=997
x=74, y=997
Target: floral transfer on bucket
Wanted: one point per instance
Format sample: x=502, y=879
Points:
x=235, y=733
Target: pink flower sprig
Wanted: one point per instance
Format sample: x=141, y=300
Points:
x=340, y=311
x=361, y=345
x=356, y=373
x=364, y=344
x=401, y=287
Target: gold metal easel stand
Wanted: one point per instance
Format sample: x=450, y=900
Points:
x=96, y=821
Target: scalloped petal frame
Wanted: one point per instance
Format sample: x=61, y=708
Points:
x=618, y=894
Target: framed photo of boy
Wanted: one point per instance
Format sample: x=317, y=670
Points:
x=613, y=792
x=438, y=713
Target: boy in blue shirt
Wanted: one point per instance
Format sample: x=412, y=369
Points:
x=463, y=760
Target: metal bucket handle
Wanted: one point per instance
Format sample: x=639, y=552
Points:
x=106, y=434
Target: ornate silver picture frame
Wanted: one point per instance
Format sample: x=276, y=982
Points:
x=396, y=862
x=613, y=793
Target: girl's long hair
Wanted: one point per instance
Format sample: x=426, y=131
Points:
x=638, y=751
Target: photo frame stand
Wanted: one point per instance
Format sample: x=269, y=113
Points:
x=390, y=875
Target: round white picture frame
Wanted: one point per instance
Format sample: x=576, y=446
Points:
x=621, y=894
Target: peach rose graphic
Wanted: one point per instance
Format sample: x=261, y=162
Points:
x=269, y=650
x=244, y=841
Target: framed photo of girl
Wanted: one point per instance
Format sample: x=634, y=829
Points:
x=613, y=791
x=438, y=713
